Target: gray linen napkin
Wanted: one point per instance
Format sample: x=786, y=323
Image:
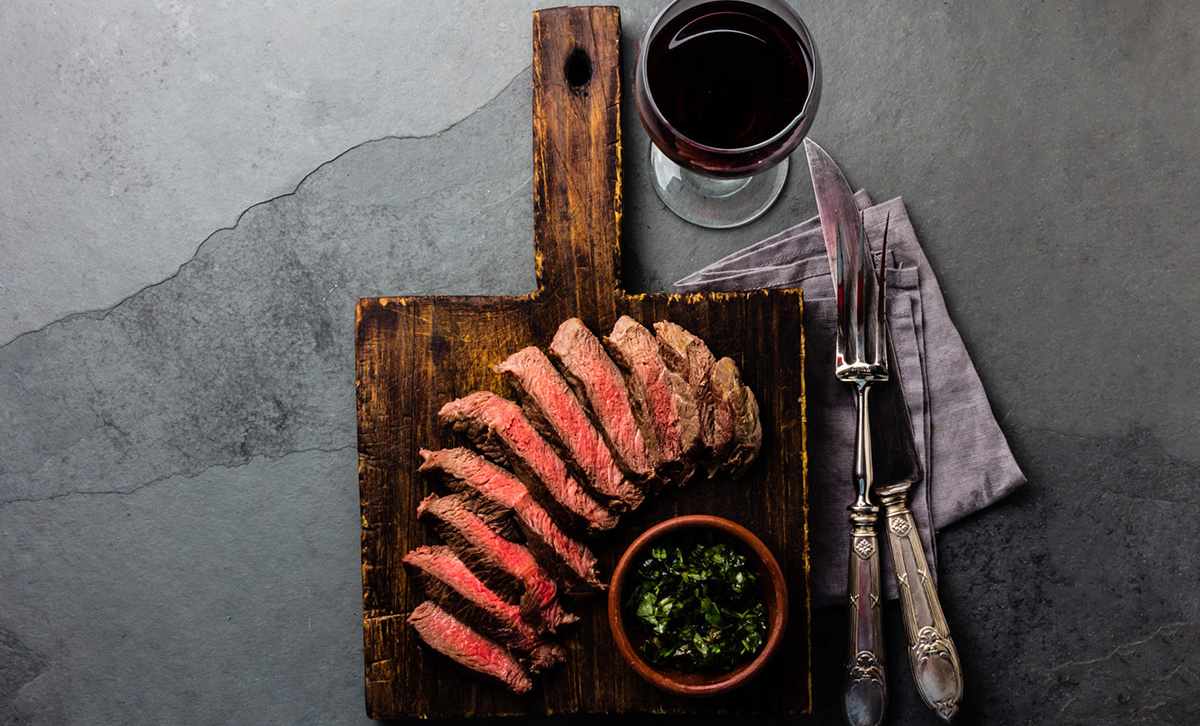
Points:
x=965, y=457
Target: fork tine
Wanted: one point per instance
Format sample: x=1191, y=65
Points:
x=862, y=299
x=869, y=329
x=839, y=266
x=881, y=340
x=887, y=223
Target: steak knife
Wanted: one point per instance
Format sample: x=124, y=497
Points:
x=931, y=652
x=861, y=361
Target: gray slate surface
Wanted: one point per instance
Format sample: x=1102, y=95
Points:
x=178, y=513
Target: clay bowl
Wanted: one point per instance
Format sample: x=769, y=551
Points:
x=774, y=593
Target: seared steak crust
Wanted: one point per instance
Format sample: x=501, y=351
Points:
x=689, y=356
x=663, y=400
x=747, y=428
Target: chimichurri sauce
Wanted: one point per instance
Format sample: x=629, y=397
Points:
x=697, y=604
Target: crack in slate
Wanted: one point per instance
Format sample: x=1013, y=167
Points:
x=173, y=475
x=98, y=314
x=1122, y=647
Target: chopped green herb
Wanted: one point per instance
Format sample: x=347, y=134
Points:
x=699, y=607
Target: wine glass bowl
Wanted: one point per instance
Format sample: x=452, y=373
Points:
x=726, y=90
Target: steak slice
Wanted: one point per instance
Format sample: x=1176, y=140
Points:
x=506, y=566
x=464, y=470
x=450, y=583
x=457, y=641
x=600, y=386
x=662, y=399
x=747, y=429
x=689, y=356
x=501, y=432
x=496, y=516
x=560, y=417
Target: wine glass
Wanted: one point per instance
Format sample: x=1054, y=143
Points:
x=726, y=89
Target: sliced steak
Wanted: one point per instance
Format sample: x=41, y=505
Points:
x=456, y=589
x=507, y=567
x=464, y=470
x=601, y=387
x=560, y=417
x=500, y=431
x=662, y=399
x=727, y=386
x=496, y=516
x=689, y=356
x=459, y=642
x=567, y=557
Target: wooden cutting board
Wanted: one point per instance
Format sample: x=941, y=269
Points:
x=415, y=353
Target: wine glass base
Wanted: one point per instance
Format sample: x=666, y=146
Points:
x=714, y=202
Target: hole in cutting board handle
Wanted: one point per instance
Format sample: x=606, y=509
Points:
x=578, y=68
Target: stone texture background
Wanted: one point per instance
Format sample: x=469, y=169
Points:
x=178, y=511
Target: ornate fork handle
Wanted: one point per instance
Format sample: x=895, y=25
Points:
x=931, y=652
x=866, y=684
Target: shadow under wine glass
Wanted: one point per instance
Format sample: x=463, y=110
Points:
x=726, y=89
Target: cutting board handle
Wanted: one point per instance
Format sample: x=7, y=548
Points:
x=577, y=160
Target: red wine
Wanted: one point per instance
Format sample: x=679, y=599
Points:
x=728, y=74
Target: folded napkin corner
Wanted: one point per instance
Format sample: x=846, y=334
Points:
x=966, y=458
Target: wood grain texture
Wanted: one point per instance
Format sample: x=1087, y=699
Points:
x=415, y=353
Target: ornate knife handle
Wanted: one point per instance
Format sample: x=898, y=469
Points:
x=931, y=652
x=866, y=684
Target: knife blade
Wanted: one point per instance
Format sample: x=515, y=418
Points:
x=859, y=290
x=895, y=448
x=835, y=201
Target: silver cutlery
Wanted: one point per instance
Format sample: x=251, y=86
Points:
x=861, y=361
